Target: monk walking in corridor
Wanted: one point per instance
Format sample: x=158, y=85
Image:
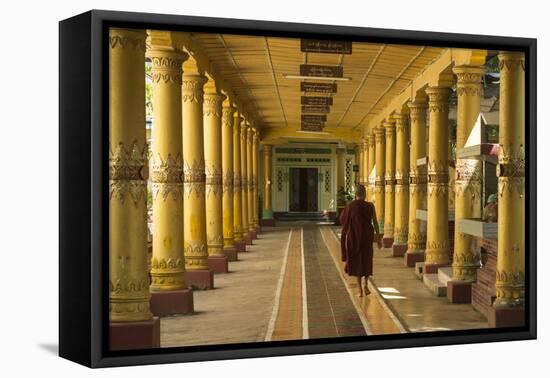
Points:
x=359, y=226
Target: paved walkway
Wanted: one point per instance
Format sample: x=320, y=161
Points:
x=415, y=307
x=238, y=310
x=289, y=285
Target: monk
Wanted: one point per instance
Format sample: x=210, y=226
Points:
x=359, y=226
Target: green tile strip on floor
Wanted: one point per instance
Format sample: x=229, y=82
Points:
x=330, y=310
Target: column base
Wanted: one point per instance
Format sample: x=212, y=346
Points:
x=174, y=302
x=240, y=246
x=506, y=317
x=433, y=268
x=387, y=242
x=258, y=230
x=399, y=250
x=134, y=335
x=459, y=291
x=267, y=222
x=218, y=264
x=413, y=257
x=247, y=239
x=253, y=234
x=200, y=279
x=231, y=253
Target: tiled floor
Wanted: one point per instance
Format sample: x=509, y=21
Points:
x=289, y=318
x=331, y=312
x=281, y=279
x=414, y=304
x=238, y=310
x=379, y=321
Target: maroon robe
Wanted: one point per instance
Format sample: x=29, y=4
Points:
x=357, y=238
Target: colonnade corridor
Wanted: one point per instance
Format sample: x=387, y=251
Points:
x=232, y=158
x=291, y=285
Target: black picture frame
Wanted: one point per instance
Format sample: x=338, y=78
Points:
x=83, y=197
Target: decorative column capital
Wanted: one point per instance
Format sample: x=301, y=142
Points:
x=389, y=128
x=469, y=80
x=416, y=109
x=166, y=64
x=511, y=60
x=212, y=105
x=127, y=39
x=400, y=122
x=371, y=140
x=227, y=115
x=192, y=88
x=268, y=149
x=438, y=99
x=341, y=151
x=379, y=133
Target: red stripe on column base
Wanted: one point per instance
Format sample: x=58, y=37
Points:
x=200, y=279
x=240, y=246
x=433, y=268
x=399, y=250
x=506, y=317
x=175, y=302
x=459, y=292
x=413, y=257
x=135, y=335
x=387, y=242
x=218, y=264
x=231, y=253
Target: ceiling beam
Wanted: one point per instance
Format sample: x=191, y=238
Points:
x=362, y=83
x=275, y=82
x=392, y=83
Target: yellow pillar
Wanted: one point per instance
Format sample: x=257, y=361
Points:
x=250, y=178
x=361, y=163
x=416, y=242
x=401, y=226
x=212, y=118
x=510, y=283
x=437, y=239
x=267, y=211
x=389, y=199
x=340, y=180
x=466, y=259
x=244, y=183
x=199, y=275
x=358, y=152
x=229, y=248
x=365, y=162
x=370, y=173
x=170, y=293
x=129, y=295
x=379, y=191
x=255, y=155
x=238, y=230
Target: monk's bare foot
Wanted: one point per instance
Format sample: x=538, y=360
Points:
x=360, y=295
x=367, y=291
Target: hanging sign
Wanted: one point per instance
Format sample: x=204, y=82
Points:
x=316, y=100
x=315, y=109
x=321, y=71
x=325, y=46
x=309, y=87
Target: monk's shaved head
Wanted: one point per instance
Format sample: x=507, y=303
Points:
x=360, y=192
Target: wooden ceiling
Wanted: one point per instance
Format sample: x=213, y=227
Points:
x=255, y=67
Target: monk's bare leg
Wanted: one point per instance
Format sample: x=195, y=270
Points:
x=359, y=286
x=367, y=291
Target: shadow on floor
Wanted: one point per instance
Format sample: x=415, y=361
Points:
x=52, y=348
